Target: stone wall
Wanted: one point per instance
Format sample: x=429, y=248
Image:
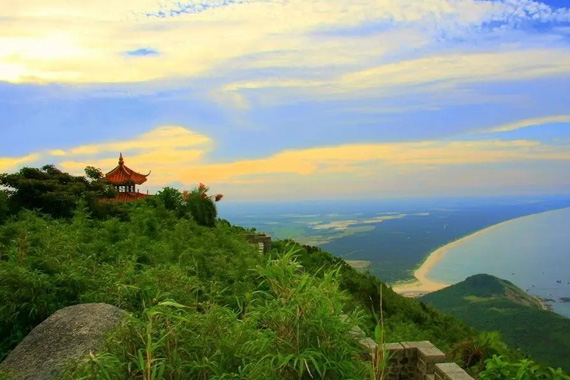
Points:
x=417, y=361
x=263, y=241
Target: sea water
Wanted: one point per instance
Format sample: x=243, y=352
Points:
x=533, y=252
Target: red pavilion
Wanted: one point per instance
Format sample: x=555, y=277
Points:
x=125, y=180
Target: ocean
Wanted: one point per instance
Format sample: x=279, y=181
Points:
x=392, y=235
x=533, y=252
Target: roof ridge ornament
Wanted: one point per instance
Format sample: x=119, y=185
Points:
x=123, y=175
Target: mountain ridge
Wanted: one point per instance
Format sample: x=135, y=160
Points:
x=493, y=304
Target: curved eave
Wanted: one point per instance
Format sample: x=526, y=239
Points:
x=122, y=175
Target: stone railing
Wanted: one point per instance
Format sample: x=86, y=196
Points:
x=263, y=241
x=417, y=361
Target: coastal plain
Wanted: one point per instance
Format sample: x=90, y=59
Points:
x=395, y=236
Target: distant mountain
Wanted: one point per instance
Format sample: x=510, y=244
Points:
x=493, y=304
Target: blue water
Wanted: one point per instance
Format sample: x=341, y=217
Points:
x=393, y=247
x=532, y=252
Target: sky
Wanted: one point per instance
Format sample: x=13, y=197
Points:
x=293, y=99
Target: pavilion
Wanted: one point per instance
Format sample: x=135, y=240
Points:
x=125, y=180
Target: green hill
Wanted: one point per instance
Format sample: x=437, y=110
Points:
x=492, y=304
x=203, y=303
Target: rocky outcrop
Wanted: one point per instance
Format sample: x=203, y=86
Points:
x=69, y=333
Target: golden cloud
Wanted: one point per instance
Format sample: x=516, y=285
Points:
x=162, y=138
x=177, y=155
x=11, y=163
x=348, y=158
x=529, y=123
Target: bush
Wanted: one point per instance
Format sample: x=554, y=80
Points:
x=201, y=206
x=171, y=198
x=497, y=368
x=196, y=204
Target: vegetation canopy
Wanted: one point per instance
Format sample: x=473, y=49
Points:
x=52, y=191
x=203, y=303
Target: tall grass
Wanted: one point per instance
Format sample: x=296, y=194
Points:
x=289, y=327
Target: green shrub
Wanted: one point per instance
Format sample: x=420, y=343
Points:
x=498, y=368
x=201, y=206
x=171, y=198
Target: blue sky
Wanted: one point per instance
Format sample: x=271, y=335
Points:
x=294, y=99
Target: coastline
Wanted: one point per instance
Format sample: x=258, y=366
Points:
x=422, y=284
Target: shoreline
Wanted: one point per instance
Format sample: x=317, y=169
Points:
x=422, y=284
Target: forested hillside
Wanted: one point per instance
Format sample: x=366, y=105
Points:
x=489, y=303
x=203, y=302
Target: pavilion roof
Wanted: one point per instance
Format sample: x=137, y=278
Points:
x=123, y=175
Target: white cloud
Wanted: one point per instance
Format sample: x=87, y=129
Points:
x=516, y=12
x=78, y=42
x=434, y=75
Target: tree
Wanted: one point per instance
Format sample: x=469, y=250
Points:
x=171, y=198
x=93, y=174
x=52, y=191
x=4, y=207
x=201, y=206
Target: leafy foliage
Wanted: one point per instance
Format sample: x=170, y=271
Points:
x=201, y=206
x=171, y=198
x=288, y=328
x=195, y=203
x=47, y=264
x=472, y=353
x=497, y=368
x=52, y=191
x=203, y=303
x=4, y=206
x=405, y=318
x=94, y=174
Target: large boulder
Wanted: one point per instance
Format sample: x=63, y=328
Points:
x=70, y=333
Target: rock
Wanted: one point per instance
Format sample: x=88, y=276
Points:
x=70, y=333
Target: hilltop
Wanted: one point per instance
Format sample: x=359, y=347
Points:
x=492, y=304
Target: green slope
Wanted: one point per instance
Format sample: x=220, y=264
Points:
x=490, y=303
x=202, y=302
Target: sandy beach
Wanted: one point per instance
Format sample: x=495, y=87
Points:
x=422, y=284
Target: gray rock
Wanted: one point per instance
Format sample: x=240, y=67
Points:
x=70, y=333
